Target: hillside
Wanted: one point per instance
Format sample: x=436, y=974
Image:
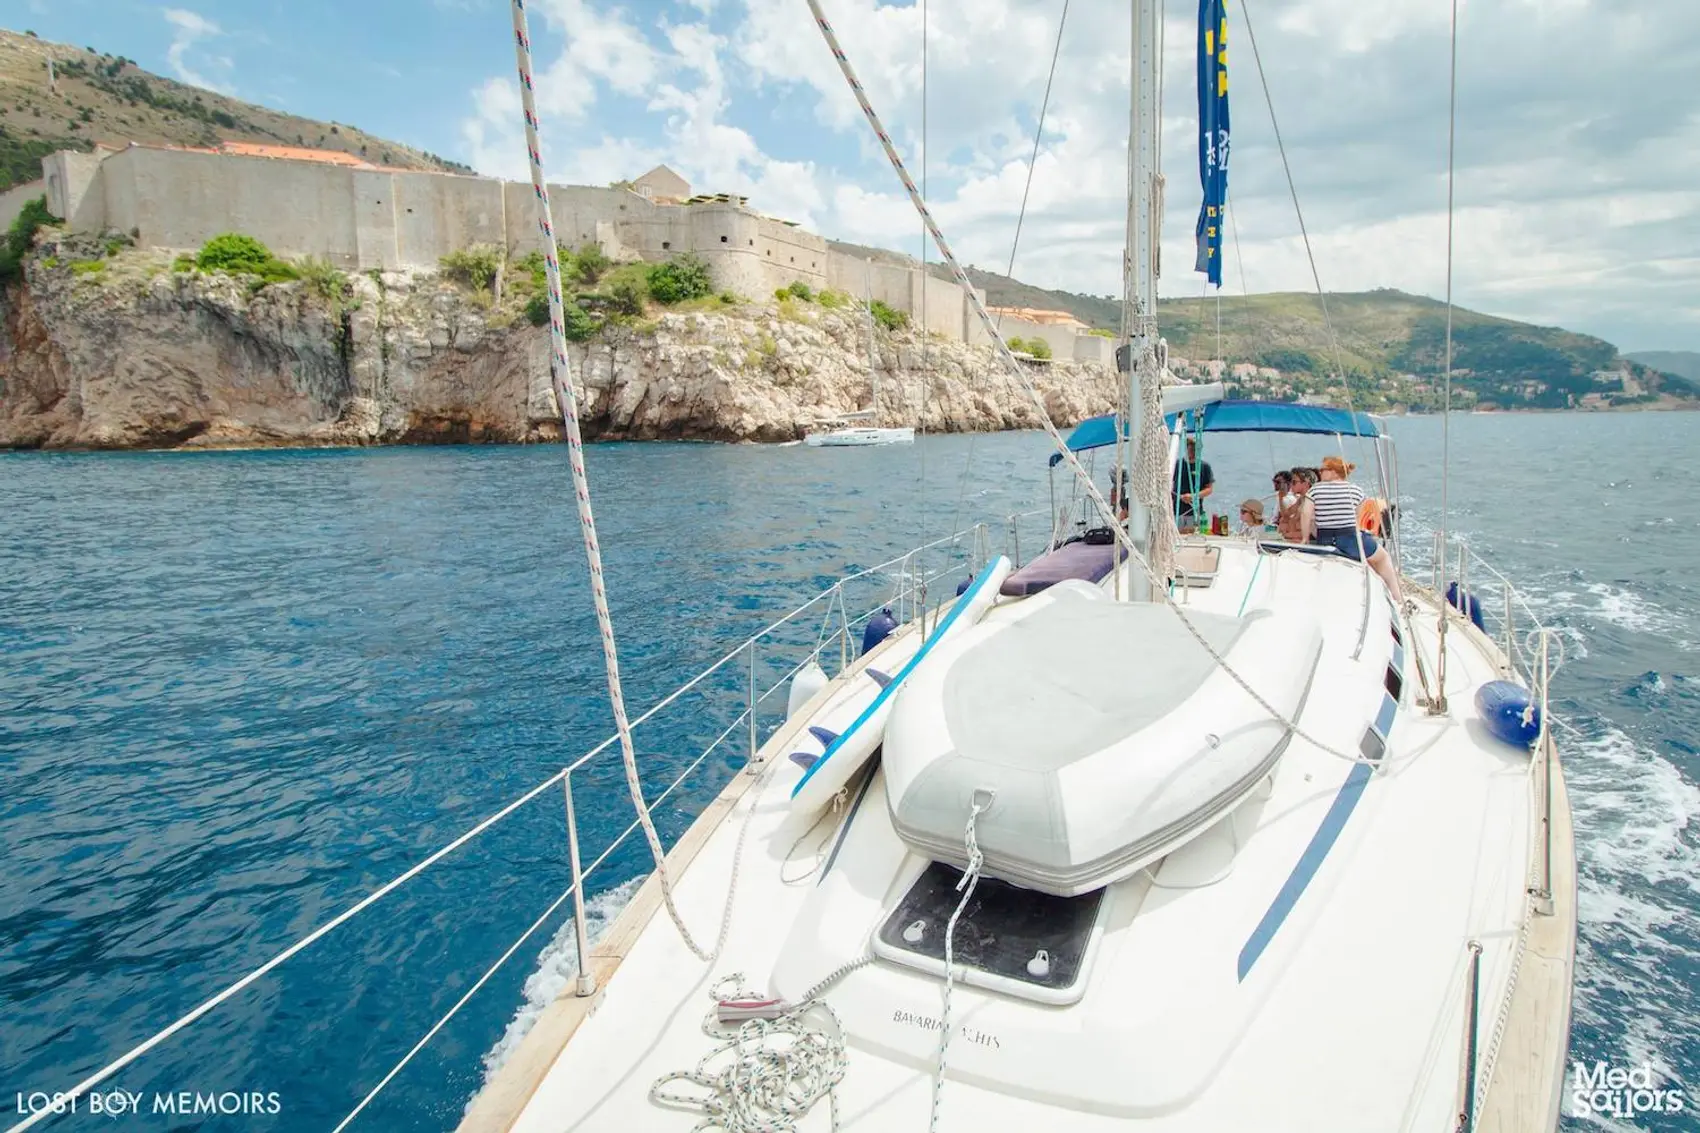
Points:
x=1682, y=363
x=1392, y=347
x=108, y=99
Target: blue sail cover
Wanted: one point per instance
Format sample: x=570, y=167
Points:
x=1283, y=417
x=1239, y=417
x=1212, y=135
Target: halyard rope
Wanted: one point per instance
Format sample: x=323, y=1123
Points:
x=566, y=396
x=970, y=880
x=1159, y=585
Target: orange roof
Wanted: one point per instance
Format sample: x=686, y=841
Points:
x=294, y=153
x=1035, y=315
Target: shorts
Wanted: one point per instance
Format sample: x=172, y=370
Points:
x=1347, y=544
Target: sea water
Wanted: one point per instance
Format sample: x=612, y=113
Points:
x=238, y=691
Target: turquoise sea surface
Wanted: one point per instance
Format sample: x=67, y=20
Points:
x=240, y=690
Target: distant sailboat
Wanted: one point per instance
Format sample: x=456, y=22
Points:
x=845, y=434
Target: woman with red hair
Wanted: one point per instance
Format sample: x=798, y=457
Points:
x=1335, y=507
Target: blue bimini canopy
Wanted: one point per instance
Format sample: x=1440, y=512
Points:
x=1239, y=417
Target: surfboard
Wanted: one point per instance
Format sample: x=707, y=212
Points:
x=845, y=750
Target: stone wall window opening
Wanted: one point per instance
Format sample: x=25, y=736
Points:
x=666, y=245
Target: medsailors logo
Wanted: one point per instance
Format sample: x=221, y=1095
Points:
x=1602, y=1089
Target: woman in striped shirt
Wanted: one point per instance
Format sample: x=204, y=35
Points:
x=1334, y=523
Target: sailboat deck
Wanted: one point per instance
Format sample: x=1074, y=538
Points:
x=1301, y=965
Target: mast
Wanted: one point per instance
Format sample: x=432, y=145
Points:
x=1138, y=357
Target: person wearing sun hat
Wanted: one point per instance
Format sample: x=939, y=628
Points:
x=1334, y=502
x=1251, y=517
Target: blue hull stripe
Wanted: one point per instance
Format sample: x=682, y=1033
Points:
x=890, y=689
x=1309, y=862
x=1384, y=719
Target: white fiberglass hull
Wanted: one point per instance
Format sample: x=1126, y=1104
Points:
x=841, y=438
x=1301, y=965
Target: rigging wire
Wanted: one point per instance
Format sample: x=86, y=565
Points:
x=1446, y=395
x=1015, y=243
x=1304, y=231
x=1159, y=584
x=1292, y=189
x=926, y=281
x=1310, y=257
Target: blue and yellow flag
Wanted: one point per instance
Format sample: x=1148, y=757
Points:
x=1212, y=134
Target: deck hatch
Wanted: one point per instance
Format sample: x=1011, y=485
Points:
x=999, y=937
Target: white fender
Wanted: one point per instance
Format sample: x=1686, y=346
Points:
x=810, y=679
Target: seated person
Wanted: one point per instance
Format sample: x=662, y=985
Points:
x=1334, y=517
x=1251, y=517
x=1286, y=507
x=1299, y=521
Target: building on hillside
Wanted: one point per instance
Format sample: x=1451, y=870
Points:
x=361, y=217
x=663, y=186
x=1039, y=316
x=1066, y=335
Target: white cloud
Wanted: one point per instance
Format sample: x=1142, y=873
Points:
x=1578, y=142
x=192, y=27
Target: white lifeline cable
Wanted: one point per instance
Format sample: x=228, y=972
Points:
x=561, y=378
x=1159, y=586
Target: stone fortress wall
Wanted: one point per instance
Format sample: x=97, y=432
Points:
x=375, y=218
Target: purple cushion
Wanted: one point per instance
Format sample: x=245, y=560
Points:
x=1089, y=562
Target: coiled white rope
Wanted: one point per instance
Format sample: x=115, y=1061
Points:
x=1159, y=585
x=762, y=1077
x=765, y=1076
x=566, y=396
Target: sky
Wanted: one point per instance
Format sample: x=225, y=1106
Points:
x=1577, y=148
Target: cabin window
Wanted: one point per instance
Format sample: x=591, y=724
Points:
x=1395, y=683
x=723, y=239
x=1372, y=746
x=666, y=244
x=1394, y=626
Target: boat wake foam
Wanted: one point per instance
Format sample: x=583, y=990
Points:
x=1638, y=848
x=557, y=965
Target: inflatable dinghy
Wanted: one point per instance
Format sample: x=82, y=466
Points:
x=848, y=738
x=1102, y=733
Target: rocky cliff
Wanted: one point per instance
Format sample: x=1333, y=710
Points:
x=114, y=348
